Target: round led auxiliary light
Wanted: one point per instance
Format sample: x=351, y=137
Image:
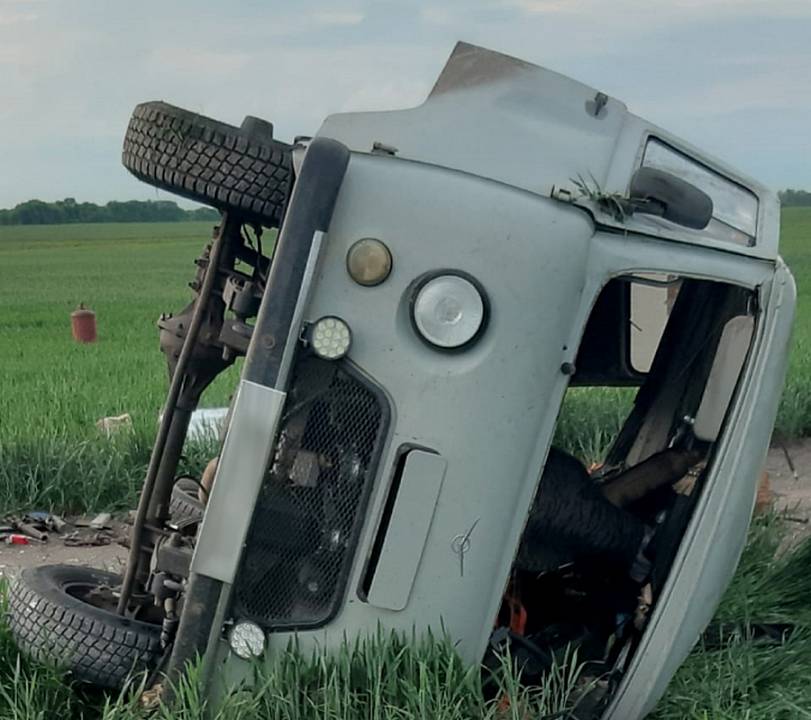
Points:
x=330, y=338
x=448, y=311
x=247, y=640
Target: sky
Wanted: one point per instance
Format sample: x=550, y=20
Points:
x=730, y=76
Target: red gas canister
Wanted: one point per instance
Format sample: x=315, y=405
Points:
x=83, y=324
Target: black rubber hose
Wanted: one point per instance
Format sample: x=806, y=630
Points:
x=570, y=519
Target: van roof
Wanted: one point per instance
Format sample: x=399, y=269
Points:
x=508, y=120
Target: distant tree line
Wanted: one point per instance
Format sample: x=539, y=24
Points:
x=795, y=198
x=37, y=212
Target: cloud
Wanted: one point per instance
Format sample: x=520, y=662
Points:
x=437, y=15
x=719, y=72
x=329, y=17
x=630, y=11
x=16, y=18
x=196, y=61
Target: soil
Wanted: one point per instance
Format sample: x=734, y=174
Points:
x=791, y=496
x=792, y=493
x=110, y=557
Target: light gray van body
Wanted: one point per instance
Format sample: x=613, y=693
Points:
x=479, y=181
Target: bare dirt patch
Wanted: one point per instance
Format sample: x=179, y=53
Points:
x=792, y=494
x=56, y=551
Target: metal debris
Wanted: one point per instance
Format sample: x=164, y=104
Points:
x=101, y=521
x=82, y=538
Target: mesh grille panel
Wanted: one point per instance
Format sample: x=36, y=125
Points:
x=302, y=537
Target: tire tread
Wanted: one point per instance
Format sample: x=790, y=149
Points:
x=97, y=650
x=179, y=151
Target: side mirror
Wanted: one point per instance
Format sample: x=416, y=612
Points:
x=657, y=192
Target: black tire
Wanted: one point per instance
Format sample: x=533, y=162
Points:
x=239, y=169
x=185, y=505
x=53, y=626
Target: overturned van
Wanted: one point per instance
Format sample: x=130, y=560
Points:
x=442, y=276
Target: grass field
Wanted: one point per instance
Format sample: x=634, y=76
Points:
x=795, y=246
x=735, y=678
x=52, y=390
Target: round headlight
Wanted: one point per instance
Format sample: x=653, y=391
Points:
x=247, y=640
x=330, y=338
x=368, y=262
x=448, y=311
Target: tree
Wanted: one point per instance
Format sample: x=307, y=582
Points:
x=37, y=212
x=795, y=198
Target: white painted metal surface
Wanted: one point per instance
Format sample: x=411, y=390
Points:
x=244, y=457
x=468, y=190
x=733, y=350
x=407, y=532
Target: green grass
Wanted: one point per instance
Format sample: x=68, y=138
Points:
x=52, y=389
x=747, y=679
x=794, y=418
x=128, y=274
x=591, y=417
x=384, y=677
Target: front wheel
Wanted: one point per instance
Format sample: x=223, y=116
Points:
x=53, y=618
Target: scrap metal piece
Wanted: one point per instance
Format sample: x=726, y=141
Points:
x=101, y=521
x=32, y=532
x=84, y=539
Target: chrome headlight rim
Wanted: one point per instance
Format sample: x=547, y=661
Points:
x=414, y=292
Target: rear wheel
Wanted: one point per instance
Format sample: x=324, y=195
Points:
x=239, y=169
x=57, y=617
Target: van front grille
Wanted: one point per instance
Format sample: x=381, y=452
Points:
x=307, y=518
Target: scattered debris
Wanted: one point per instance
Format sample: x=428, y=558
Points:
x=114, y=424
x=789, y=460
x=36, y=527
x=150, y=699
x=20, y=539
x=56, y=523
x=33, y=532
x=82, y=538
x=101, y=521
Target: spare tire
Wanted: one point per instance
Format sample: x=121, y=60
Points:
x=52, y=623
x=238, y=169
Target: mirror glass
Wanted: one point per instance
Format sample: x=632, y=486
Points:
x=735, y=208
